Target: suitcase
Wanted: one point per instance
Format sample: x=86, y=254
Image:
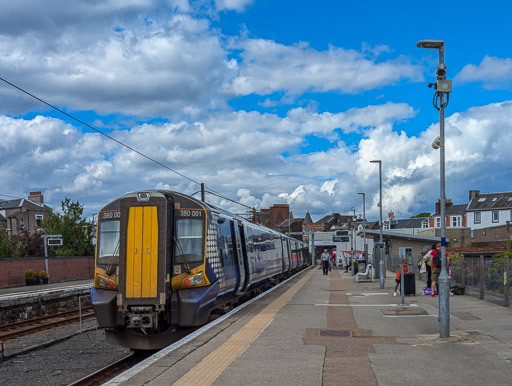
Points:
x=409, y=284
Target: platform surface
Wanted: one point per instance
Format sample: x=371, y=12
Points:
x=330, y=330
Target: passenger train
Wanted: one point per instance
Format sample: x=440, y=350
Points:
x=166, y=261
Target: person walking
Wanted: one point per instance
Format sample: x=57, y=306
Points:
x=435, y=262
x=325, y=261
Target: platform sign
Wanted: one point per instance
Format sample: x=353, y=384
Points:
x=50, y=241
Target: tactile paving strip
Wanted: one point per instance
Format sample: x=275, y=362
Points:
x=211, y=367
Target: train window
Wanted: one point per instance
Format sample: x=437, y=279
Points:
x=189, y=237
x=225, y=241
x=108, y=242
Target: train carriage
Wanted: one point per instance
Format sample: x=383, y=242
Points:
x=165, y=260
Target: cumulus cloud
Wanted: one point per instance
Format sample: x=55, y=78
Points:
x=267, y=66
x=233, y=5
x=494, y=73
x=48, y=153
x=144, y=68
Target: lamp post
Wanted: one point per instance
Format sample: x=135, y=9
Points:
x=442, y=87
x=365, y=247
x=381, y=255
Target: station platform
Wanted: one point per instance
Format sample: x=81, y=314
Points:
x=329, y=330
x=10, y=291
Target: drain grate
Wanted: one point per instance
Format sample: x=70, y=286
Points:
x=334, y=333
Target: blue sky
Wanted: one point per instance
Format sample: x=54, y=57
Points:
x=265, y=101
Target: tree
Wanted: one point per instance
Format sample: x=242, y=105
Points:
x=10, y=246
x=77, y=233
x=422, y=214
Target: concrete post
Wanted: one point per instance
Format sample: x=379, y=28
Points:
x=482, y=278
x=506, y=285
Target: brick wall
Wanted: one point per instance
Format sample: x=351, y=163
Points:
x=12, y=270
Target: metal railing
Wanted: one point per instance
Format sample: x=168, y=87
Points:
x=485, y=277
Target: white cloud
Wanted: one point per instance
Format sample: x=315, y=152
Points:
x=233, y=5
x=61, y=160
x=494, y=73
x=268, y=66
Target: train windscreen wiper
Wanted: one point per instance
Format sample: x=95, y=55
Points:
x=182, y=254
x=110, y=267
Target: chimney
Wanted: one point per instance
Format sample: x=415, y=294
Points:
x=473, y=194
x=36, y=197
x=447, y=203
x=391, y=215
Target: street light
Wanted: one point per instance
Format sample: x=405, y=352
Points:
x=442, y=87
x=381, y=255
x=365, y=247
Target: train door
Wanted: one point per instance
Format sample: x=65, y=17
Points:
x=237, y=230
x=227, y=255
x=142, y=268
x=286, y=256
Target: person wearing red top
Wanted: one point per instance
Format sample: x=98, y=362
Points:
x=398, y=275
x=436, y=270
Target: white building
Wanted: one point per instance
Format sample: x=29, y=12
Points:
x=487, y=210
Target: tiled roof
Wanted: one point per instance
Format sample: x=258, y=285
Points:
x=407, y=223
x=22, y=203
x=490, y=201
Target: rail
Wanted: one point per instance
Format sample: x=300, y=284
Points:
x=26, y=327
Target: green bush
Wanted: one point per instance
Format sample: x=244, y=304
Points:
x=43, y=274
x=29, y=274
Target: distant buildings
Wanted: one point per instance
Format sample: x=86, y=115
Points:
x=23, y=215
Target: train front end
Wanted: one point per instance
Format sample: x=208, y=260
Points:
x=136, y=241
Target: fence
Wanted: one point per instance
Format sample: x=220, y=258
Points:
x=485, y=277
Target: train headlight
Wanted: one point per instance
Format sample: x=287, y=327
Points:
x=104, y=282
x=192, y=281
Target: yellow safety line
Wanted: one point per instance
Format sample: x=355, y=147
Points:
x=211, y=367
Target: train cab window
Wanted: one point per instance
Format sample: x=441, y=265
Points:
x=189, y=241
x=108, y=252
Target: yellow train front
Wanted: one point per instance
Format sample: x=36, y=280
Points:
x=166, y=260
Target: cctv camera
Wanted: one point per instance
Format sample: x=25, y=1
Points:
x=437, y=142
x=441, y=70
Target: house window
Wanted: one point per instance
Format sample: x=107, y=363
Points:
x=495, y=216
x=39, y=220
x=424, y=223
x=456, y=221
x=438, y=222
x=478, y=217
x=386, y=226
x=22, y=223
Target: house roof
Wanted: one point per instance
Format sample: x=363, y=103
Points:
x=307, y=218
x=22, y=203
x=490, y=201
x=452, y=210
x=284, y=224
x=407, y=223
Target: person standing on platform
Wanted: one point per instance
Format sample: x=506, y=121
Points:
x=399, y=275
x=325, y=261
x=435, y=262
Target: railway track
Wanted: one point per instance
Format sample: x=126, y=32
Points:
x=26, y=327
x=108, y=372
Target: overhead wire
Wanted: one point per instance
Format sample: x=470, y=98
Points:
x=117, y=141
